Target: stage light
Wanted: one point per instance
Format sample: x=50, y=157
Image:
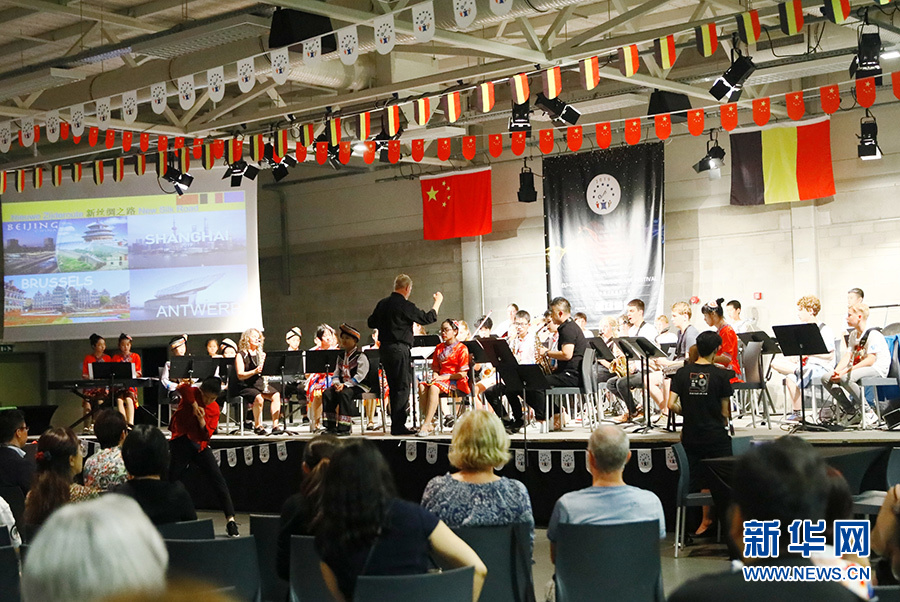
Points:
x=181, y=180
x=239, y=170
x=866, y=63
x=713, y=160
x=559, y=111
x=521, y=118
x=675, y=104
x=527, y=193
x=868, y=149
x=730, y=85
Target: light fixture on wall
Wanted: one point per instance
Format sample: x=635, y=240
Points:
x=239, y=170
x=181, y=180
x=527, y=192
x=730, y=85
x=868, y=149
x=561, y=112
x=713, y=160
x=521, y=118
x=867, y=62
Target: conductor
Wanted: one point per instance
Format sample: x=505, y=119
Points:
x=393, y=317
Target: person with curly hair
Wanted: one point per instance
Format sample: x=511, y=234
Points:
x=248, y=366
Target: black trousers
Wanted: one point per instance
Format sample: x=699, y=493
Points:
x=621, y=388
x=536, y=400
x=494, y=396
x=184, y=452
x=396, y=358
x=340, y=406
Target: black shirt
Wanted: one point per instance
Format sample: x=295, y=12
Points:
x=701, y=388
x=297, y=514
x=15, y=470
x=163, y=502
x=570, y=333
x=394, y=317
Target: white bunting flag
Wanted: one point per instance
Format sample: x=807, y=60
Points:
x=567, y=459
x=464, y=11
x=215, y=83
x=348, y=44
x=5, y=137
x=411, y=451
x=384, y=34
x=264, y=453
x=545, y=460
x=281, y=64
x=186, y=94
x=217, y=454
x=431, y=452
x=671, y=461
x=52, y=126
x=103, y=112
x=246, y=70
x=281, y=450
x=501, y=7
x=232, y=457
x=312, y=51
x=248, y=456
x=158, y=97
x=520, y=460
x=76, y=118
x=645, y=460
x=129, y=106
x=423, y=21
x=27, y=131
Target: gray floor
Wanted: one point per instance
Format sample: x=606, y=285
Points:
x=695, y=561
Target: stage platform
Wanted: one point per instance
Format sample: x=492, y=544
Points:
x=262, y=471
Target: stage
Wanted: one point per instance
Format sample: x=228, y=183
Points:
x=263, y=471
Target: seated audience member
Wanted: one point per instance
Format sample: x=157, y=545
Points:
x=105, y=469
x=733, y=315
x=867, y=356
x=300, y=509
x=58, y=460
x=608, y=501
x=15, y=469
x=581, y=319
x=8, y=522
x=665, y=335
x=701, y=392
x=475, y=496
x=365, y=529
x=93, y=551
x=816, y=366
x=886, y=533
x=727, y=355
x=621, y=386
x=146, y=456
x=347, y=384
x=783, y=480
x=854, y=296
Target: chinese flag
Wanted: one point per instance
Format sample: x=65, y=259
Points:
x=456, y=205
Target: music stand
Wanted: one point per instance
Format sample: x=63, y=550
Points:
x=321, y=361
x=181, y=367
x=204, y=367
x=801, y=340
x=641, y=349
x=602, y=349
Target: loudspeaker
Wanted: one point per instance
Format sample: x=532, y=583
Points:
x=669, y=102
x=292, y=26
x=527, y=193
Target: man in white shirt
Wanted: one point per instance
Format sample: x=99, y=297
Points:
x=506, y=328
x=733, y=314
x=867, y=356
x=621, y=387
x=522, y=345
x=581, y=319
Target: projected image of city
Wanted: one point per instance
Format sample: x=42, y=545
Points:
x=30, y=247
x=89, y=245
x=193, y=293
x=66, y=299
x=189, y=239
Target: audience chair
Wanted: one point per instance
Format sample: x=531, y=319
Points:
x=754, y=381
x=225, y=563
x=741, y=445
x=448, y=586
x=233, y=399
x=5, y=537
x=891, y=380
x=307, y=583
x=189, y=529
x=10, y=583
x=584, y=392
x=506, y=551
x=375, y=393
x=590, y=561
x=16, y=500
x=868, y=503
x=265, y=529
x=683, y=498
x=887, y=593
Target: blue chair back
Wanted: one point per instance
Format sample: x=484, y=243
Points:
x=189, y=529
x=684, y=474
x=590, y=561
x=506, y=551
x=307, y=583
x=225, y=563
x=741, y=445
x=887, y=593
x=265, y=530
x=454, y=585
x=893, y=468
x=10, y=583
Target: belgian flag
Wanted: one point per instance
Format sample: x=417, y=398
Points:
x=98, y=172
x=20, y=180
x=422, y=110
x=2, y=182
x=76, y=172
x=162, y=162
x=707, y=41
x=664, y=51
x=518, y=86
x=209, y=157
x=748, y=26
x=629, y=60
x=589, y=69
x=334, y=129
x=281, y=143
x=790, y=14
x=307, y=134
x=184, y=159
x=452, y=107
x=837, y=11
x=552, y=82
x=257, y=148
x=119, y=169
x=38, y=180
x=364, y=125
x=234, y=150
x=484, y=95
x=390, y=122
x=56, y=173
x=140, y=164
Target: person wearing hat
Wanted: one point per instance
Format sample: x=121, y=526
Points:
x=178, y=347
x=293, y=338
x=346, y=383
x=127, y=399
x=293, y=386
x=228, y=348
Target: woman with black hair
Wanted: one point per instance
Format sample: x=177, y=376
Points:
x=450, y=364
x=97, y=395
x=727, y=354
x=362, y=528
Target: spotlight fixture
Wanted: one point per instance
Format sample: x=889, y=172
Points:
x=868, y=149
x=730, y=85
x=180, y=179
x=559, y=111
x=867, y=63
x=280, y=169
x=239, y=170
x=521, y=118
x=527, y=193
x=713, y=160
x=675, y=104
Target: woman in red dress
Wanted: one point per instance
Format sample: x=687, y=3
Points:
x=450, y=363
x=96, y=395
x=127, y=399
x=316, y=383
x=727, y=355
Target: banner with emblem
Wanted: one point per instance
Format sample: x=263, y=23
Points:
x=281, y=64
x=102, y=107
x=51, y=122
x=596, y=204
x=312, y=51
x=385, y=37
x=348, y=44
x=246, y=69
x=215, y=83
x=186, y=92
x=423, y=21
x=157, y=98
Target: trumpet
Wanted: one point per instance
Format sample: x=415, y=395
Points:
x=542, y=360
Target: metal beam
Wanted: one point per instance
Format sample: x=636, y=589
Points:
x=83, y=11
x=240, y=101
x=531, y=35
x=616, y=21
x=557, y=26
x=150, y=8
x=427, y=49
x=137, y=126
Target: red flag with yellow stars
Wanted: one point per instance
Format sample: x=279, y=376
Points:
x=495, y=145
x=468, y=147
x=633, y=130
x=391, y=120
x=422, y=110
x=574, y=138
x=140, y=165
x=76, y=172
x=761, y=111
x=749, y=29
x=517, y=143
x=321, y=152
x=127, y=137
x=451, y=106
x=393, y=151
x=443, y=150
x=696, y=121
x=38, y=179
x=110, y=138
x=830, y=96
x=604, y=134
x=344, y=151
x=334, y=130
x=162, y=143
x=257, y=148
x=281, y=143
x=64, y=130
x=790, y=14
x=589, y=69
x=552, y=82
x=484, y=95
x=546, y=142
x=300, y=152
x=98, y=172
x=308, y=134
x=234, y=150
x=56, y=173
x=707, y=41
x=518, y=86
x=363, y=125
x=456, y=205
x=20, y=180
x=728, y=115
x=865, y=92
x=664, y=51
x=209, y=157
x=119, y=169
x=795, y=106
x=629, y=60
x=144, y=142
x=418, y=149
x=662, y=124
x=198, y=148
x=93, y=134
x=369, y=153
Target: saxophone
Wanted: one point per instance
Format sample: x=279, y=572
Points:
x=542, y=360
x=619, y=366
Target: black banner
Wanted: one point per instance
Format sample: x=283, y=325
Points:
x=603, y=227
